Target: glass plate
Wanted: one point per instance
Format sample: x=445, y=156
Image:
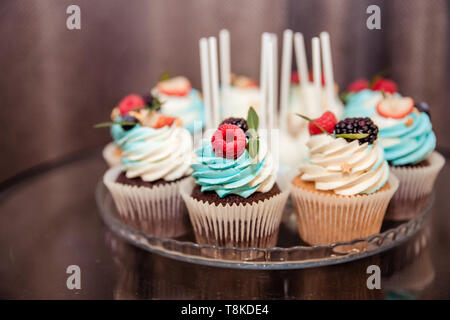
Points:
x=290, y=253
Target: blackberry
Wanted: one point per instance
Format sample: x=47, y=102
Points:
x=240, y=122
x=128, y=118
x=423, y=107
x=357, y=125
x=148, y=99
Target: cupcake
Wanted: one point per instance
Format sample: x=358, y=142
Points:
x=235, y=200
x=344, y=188
x=156, y=156
x=180, y=100
x=408, y=141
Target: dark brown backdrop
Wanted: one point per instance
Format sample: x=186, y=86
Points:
x=55, y=83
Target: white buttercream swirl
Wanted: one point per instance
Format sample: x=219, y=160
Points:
x=346, y=168
x=153, y=154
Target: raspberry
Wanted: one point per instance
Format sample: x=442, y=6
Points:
x=229, y=141
x=385, y=85
x=326, y=121
x=357, y=125
x=240, y=122
x=358, y=85
x=130, y=102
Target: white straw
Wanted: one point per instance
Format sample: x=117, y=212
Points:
x=317, y=74
x=271, y=85
x=204, y=67
x=286, y=66
x=328, y=67
x=212, y=41
x=263, y=81
x=274, y=80
x=225, y=66
x=300, y=54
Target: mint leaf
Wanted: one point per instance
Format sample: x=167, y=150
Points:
x=252, y=119
x=165, y=76
x=112, y=123
x=352, y=136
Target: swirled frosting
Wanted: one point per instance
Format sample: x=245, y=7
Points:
x=153, y=154
x=189, y=107
x=408, y=140
x=242, y=176
x=346, y=168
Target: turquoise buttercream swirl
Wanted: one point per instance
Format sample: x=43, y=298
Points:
x=240, y=176
x=408, y=144
x=362, y=104
x=403, y=144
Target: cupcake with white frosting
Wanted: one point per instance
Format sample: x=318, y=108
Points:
x=236, y=200
x=343, y=189
x=156, y=154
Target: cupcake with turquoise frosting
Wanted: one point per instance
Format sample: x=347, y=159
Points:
x=180, y=100
x=344, y=187
x=407, y=138
x=235, y=198
x=156, y=154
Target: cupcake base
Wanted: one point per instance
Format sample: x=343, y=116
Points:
x=416, y=185
x=324, y=218
x=155, y=208
x=253, y=222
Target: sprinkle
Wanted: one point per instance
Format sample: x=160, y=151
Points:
x=409, y=122
x=346, y=167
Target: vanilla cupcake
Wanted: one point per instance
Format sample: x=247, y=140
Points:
x=408, y=141
x=235, y=200
x=344, y=188
x=156, y=156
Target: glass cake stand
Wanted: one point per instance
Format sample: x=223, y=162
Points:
x=290, y=253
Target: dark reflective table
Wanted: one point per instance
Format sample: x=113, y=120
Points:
x=49, y=221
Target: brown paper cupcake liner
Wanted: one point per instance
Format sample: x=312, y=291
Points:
x=111, y=156
x=159, y=211
x=416, y=184
x=326, y=218
x=250, y=225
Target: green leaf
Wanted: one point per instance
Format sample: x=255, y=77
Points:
x=112, y=123
x=252, y=119
x=353, y=136
x=156, y=104
x=253, y=143
x=314, y=122
x=165, y=76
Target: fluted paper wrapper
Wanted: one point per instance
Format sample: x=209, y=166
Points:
x=416, y=184
x=244, y=226
x=324, y=219
x=110, y=155
x=159, y=210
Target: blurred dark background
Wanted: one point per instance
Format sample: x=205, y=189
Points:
x=56, y=83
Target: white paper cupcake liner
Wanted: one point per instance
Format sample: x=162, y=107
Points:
x=324, y=219
x=110, y=155
x=159, y=211
x=416, y=184
x=250, y=225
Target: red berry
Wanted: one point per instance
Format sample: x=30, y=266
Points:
x=327, y=121
x=130, y=102
x=385, y=85
x=166, y=121
x=229, y=141
x=294, y=77
x=358, y=85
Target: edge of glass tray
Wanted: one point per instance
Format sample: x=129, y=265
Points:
x=167, y=247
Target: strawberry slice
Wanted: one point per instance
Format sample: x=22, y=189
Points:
x=166, y=121
x=395, y=107
x=177, y=86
